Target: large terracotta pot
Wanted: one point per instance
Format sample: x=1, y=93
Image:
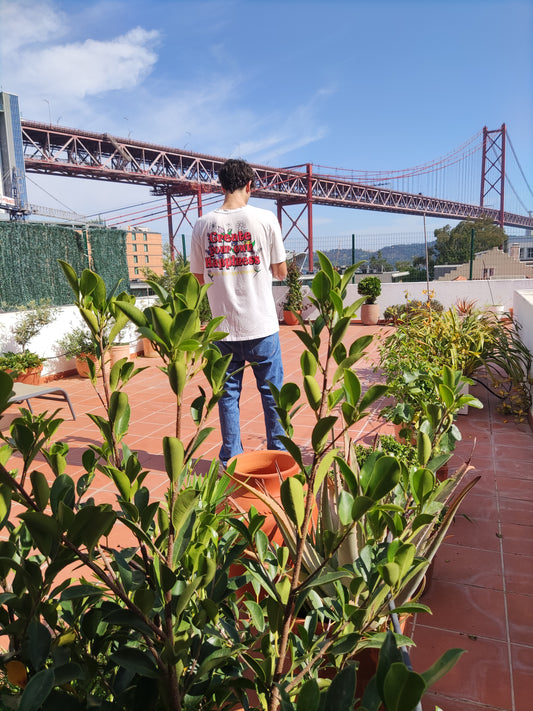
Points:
x=148, y=350
x=83, y=368
x=117, y=352
x=370, y=314
x=31, y=376
x=260, y=471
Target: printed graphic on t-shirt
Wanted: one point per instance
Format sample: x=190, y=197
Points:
x=229, y=251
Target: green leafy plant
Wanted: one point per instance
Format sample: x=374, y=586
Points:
x=294, y=297
x=357, y=538
x=18, y=363
x=36, y=316
x=370, y=288
x=419, y=348
x=164, y=623
x=76, y=343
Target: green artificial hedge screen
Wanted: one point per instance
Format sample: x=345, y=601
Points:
x=29, y=253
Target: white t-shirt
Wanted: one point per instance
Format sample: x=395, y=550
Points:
x=234, y=249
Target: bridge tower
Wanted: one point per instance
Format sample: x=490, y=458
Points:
x=282, y=205
x=493, y=168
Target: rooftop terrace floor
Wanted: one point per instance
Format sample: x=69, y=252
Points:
x=482, y=590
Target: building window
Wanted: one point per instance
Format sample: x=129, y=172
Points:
x=145, y=237
x=146, y=248
x=488, y=272
x=529, y=253
x=133, y=237
x=135, y=259
x=146, y=260
x=134, y=247
x=136, y=270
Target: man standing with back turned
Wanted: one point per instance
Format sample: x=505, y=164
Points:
x=237, y=249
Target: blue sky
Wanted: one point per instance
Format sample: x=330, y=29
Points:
x=352, y=84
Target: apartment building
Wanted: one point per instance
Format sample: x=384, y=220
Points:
x=144, y=249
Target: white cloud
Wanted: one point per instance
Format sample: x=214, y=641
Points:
x=24, y=22
x=79, y=70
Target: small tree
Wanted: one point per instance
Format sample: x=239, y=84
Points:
x=369, y=287
x=38, y=315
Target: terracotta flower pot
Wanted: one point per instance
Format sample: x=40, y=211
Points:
x=31, y=376
x=117, y=352
x=260, y=471
x=83, y=368
x=370, y=314
x=148, y=350
x=290, y=318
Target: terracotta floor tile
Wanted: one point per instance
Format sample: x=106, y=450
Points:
x=481, y=675
x=468, y=529
x=520, y=615
x=480, y=506
x=522, y=659
x=522, y=453
x=465, y=608
x=511, y=488
x=519, y=574
x=516, y=511
x=517, y=539
x=433, y=699
x=469, y=566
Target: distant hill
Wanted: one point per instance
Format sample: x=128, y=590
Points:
x=393, y=253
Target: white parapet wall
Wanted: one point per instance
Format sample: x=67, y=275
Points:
x=45, y=343
x=523, y=312
x=499, y=292
x=509, y=293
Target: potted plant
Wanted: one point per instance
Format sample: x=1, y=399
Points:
x=27, y=365
x=78, y=344
x=293, y=302
x=370, y=288
x=24, y=367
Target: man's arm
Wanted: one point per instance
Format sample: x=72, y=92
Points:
x=279, y=270
x=200, y=277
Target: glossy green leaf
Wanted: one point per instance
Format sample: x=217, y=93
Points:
x=402, y=689
x=37, y=690
x=313, y=392
x=5, y=503
x=136, y=661
x=184, y=508
x=293, y=500
x=174, y=456
x=308, y=363
x=442, y=666
x=309, y=696
x=321, y=432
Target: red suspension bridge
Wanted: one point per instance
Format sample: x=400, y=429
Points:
x=188, y=181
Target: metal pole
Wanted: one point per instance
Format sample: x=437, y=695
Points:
x=427, y=260
x=170, y=228
x=310, y=215
x=353, y=255
x=184, y=248
x=472, y=235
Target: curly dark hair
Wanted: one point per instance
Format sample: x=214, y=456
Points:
x=235, y=174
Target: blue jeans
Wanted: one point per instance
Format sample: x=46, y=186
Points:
x=264, y=354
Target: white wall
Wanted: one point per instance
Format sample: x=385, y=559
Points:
x=523, y=312
x=45, y=343
x=485, y=292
